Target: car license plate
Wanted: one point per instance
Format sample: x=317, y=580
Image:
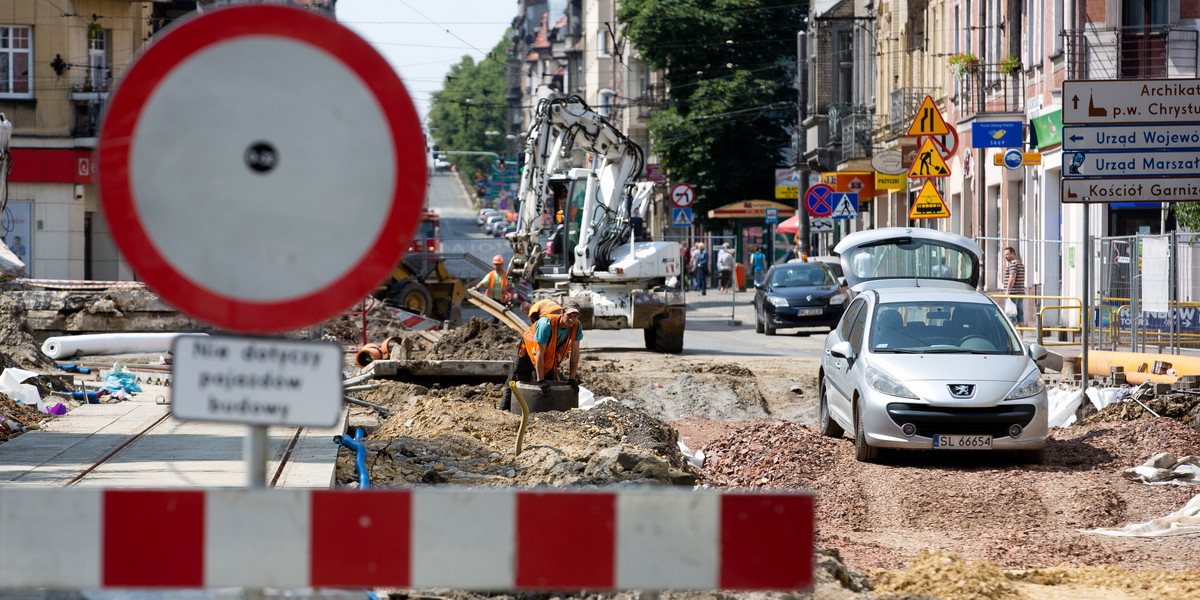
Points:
x=808, y=312
x=962, y=442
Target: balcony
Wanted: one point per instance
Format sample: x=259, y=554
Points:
x=88, y=105
x=905, y=102
x=1137, y=52
x=989, y=90
x=850, y=126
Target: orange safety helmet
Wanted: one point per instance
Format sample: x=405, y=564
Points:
x=497, y=260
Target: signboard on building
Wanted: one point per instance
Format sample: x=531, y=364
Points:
x=996, y=134
x=787, y=184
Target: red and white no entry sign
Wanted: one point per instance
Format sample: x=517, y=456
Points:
x=261, y=167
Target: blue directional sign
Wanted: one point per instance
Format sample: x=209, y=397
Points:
x=845, y=205
x=1119, y=138
x=996, y=134
x=1133, y=164
x=772, y=215
x=818, y=201
x=681, y=217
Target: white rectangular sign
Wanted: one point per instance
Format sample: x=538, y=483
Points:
x=1152, y=189
x=1116, y=138
x=1110, y=101
x=1131, y=164
x=257, y=381
x=820, y=224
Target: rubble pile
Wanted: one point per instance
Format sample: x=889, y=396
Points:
x=477, y=339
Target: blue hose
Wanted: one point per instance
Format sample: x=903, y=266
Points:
x=360, y=459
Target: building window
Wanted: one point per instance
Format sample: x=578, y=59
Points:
x=15, y=59
x=602, y=42
x=98, y=57
x=845, y=68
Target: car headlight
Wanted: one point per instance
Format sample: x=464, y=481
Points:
x=777, y=301
x=885, y=384
x=837, y=298
x=1032, y=385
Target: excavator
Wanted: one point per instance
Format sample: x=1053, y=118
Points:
x=420, y=284
x=590, y=211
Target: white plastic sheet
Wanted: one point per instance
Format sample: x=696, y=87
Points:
x=1062, y=405
x=1164, y=469
x=11, y=384
x=1185, y=521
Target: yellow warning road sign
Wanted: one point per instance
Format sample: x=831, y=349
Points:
x=929, y=162
x=928, y=120
x=929, y=204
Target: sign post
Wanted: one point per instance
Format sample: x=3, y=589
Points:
x=194, y=139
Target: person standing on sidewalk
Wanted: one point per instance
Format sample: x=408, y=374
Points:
x=725, y=266
x=758, y=265
x=700, y=267
x=1014, y=281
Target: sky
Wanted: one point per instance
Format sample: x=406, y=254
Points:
x=423, y=39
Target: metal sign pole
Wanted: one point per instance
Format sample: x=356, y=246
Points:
x=254, y=451
x=1087, y=294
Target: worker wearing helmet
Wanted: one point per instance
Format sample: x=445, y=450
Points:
x=543, y=347
x=496, y=281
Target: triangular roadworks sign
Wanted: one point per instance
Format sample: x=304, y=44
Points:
x=929, y=162
x=928, y=120
x=929, y=204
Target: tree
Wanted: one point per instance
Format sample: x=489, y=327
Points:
x=1187, y=215
x=469, y=105
x=731, y=66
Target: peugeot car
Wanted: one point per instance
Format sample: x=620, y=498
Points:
x=798, y=295
x=921, y=359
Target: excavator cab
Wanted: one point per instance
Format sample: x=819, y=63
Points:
x=420, y=284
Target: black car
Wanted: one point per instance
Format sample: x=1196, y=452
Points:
x=798, y=295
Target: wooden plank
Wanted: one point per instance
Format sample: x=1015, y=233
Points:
x=495, y=309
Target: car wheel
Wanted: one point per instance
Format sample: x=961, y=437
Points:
x=829, y=427
x=1032, y=457
x=768, y=328
x=758, y=324
x=863, y=452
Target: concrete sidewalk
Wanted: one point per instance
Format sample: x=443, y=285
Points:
x=142, y=446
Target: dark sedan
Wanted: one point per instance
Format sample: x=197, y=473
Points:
x=798, y=295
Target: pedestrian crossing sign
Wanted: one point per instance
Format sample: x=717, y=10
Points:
x=929, y=204
x=845, y=205
x=681, y=217
x=929, y=162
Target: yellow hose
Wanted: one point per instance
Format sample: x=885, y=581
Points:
x=524, y=414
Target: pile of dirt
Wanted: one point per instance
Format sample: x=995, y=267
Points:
x=379, y=322
x=940, y=574
x=17, y=345
x=456, y=436
x=477, y=339
x=25, y=416
x=1180, y=406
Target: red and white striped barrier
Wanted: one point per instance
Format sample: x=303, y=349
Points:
x=413, y=321
x=77, y=284
x=468, y=539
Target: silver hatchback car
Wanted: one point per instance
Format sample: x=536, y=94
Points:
x=922, y=360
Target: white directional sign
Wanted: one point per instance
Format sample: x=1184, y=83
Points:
x=1157, y=189
x=1113, y=101
x=1131, y=164
x=820, y=224
x=258, y=381
x=1116, y=138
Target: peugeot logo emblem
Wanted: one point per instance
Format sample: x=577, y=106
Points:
x=810, y=297
x=961, y=390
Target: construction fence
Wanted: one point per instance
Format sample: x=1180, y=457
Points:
x=1144, y=292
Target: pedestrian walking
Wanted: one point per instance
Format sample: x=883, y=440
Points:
x=1014, y=281
x=725, y=267
x=700, y=267
x=758, y=265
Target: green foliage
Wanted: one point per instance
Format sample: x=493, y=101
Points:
x=471, y=103
x=1187, y=215
x=731, y=65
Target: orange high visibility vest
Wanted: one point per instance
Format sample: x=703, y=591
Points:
x=490, y=279
x=544, y=308
x=554, y=355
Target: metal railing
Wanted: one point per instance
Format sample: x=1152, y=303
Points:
x=991, y=90
x=1041, y=329
x=905, y=102
x=1134, y=52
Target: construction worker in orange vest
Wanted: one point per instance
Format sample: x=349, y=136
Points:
x=543, y=347
x=496, y=281
x=540, y=308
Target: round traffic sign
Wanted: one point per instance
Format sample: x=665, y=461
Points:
x=682, y=195
x=262, y=167
x=819, y=200
x=1013, y=159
